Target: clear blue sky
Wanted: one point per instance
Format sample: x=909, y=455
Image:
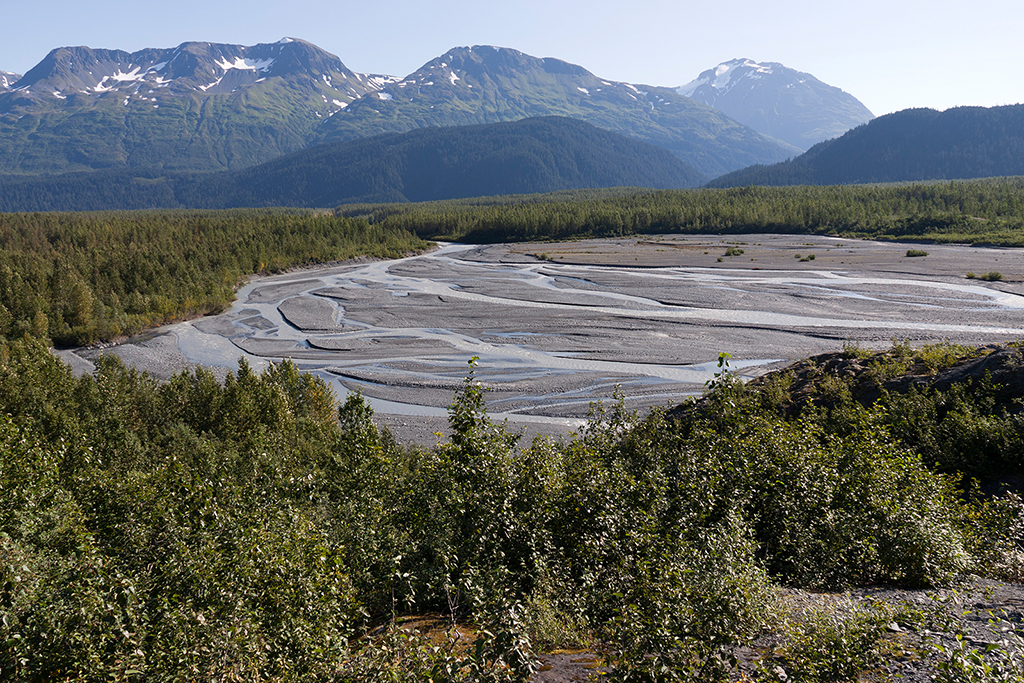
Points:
x=890, y=54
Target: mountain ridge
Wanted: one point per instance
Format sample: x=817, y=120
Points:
x=487, y=84
x=199, y=106
x=189, y=67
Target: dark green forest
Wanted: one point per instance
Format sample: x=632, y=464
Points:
x=76, y=278
x=257, y=529
x=970, y=212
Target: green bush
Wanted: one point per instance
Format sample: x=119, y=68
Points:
x=827, y=645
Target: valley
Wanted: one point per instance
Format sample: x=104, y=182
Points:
x=505, y=370
x=557, y=326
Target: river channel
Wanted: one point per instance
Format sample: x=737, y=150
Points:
x=558, y=327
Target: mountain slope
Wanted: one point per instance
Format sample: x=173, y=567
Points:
x=913, y=144
x=522, y=157
x=470, y=85
x=778, y=101
x=198, y=106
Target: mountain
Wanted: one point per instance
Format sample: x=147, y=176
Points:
x=483, y=84
x=7, y=79
x=522, y=157
x=197, y=106
x=913, y=144
x=209, y=106
x=778, y=101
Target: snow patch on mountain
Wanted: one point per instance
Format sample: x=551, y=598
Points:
x=246, y=64
x=8, y=79
x=724, y=77
x=204, y=88
x=118, y=78
x=377, y=81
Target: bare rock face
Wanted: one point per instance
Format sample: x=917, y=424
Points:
x=8, y=79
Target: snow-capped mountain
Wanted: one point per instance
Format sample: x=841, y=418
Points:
x=199, y=106
x=487, y=84
x=778, y=101
x=7, y=79
x=194, y=68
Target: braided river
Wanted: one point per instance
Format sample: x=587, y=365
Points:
x=556, y=328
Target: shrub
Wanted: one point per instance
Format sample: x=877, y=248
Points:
x=911, y=253
x=822, y=646
x=687, y=610
x=854, y=350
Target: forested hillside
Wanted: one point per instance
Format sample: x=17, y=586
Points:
x=914, y=144
x=529, y=156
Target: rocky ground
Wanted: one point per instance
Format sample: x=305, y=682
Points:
x=983, y=613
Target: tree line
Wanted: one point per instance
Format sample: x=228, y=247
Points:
x=989, y=211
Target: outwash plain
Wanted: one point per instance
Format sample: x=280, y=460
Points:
x=557, y=327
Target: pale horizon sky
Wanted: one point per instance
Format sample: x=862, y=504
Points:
x=891, y=55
